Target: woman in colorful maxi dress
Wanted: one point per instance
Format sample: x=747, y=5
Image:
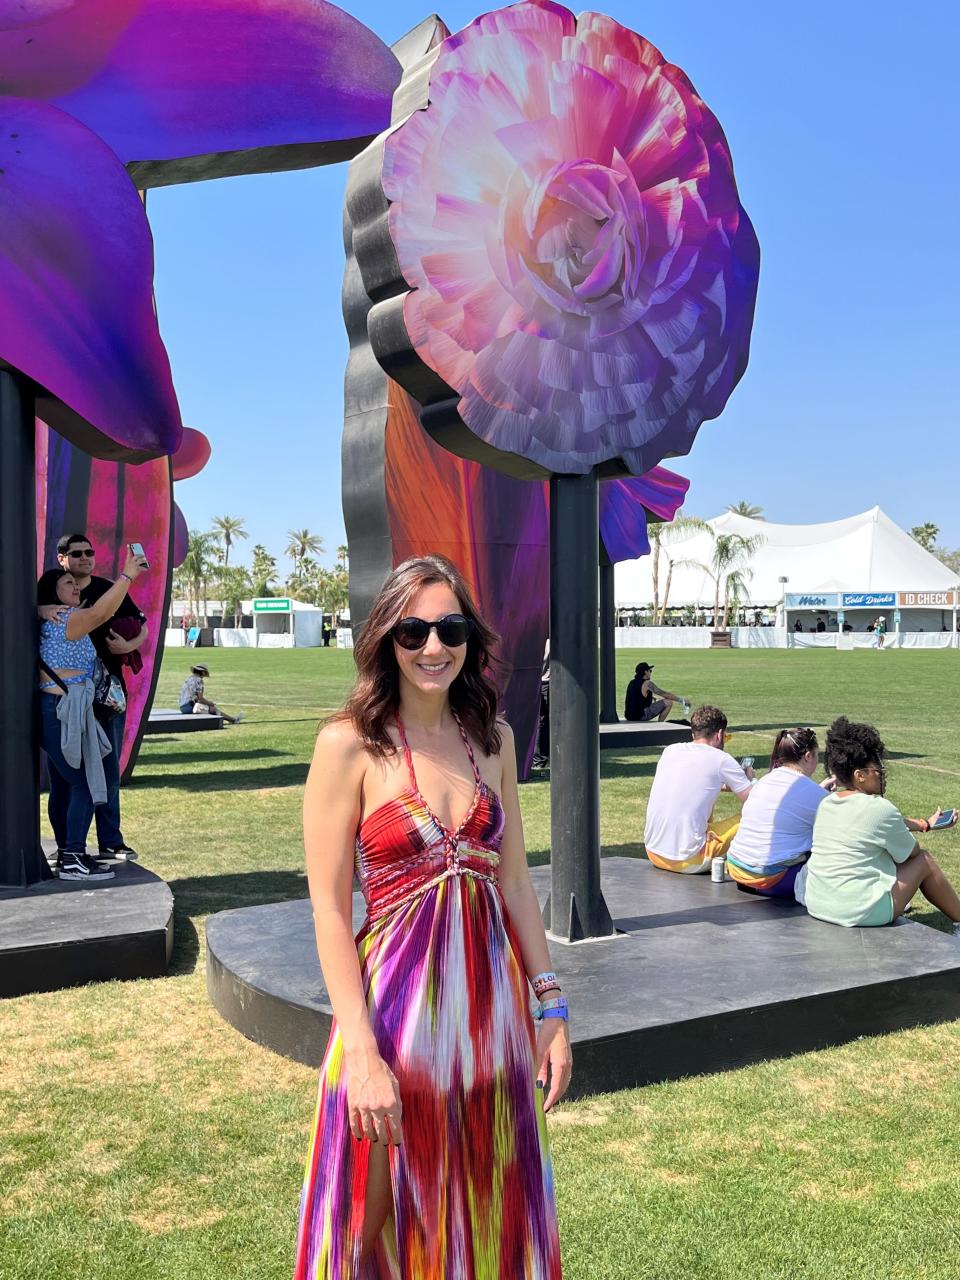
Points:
x=429, y=1157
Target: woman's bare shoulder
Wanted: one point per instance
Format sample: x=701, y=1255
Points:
x=339, y=743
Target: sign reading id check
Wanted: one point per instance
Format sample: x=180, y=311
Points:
x=926, y=599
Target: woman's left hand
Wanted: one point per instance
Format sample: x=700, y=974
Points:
x=554, y=1058
x=937, y=815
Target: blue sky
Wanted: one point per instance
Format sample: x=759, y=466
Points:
x=842, y=131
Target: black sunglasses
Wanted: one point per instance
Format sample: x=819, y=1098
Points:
x=86, y=551
x=413, y=633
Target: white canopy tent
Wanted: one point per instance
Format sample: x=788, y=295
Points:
x=865, y=553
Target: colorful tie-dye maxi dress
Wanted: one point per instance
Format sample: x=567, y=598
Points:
x=448, y=999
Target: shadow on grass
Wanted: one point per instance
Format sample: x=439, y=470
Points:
x=282, y=775
x=199, y=757
x=195, y=896
x=203, y=895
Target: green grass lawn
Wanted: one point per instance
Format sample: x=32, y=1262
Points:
x=143, y=1137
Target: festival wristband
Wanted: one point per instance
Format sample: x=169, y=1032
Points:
x=557, y=1008
x=543, y=981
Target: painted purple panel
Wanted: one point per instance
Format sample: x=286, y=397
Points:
x=161, y=80
x=181, y=538
x=76, y=271
x=580, y=272
x=624, y=503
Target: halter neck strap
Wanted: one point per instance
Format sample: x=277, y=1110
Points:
x=409, y=756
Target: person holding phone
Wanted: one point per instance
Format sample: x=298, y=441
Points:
x=865, y=865
x=117, y=642
x=776, y=826
x=681, y=833
x=76, y=745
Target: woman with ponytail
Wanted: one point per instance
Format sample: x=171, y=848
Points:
x=776, y=827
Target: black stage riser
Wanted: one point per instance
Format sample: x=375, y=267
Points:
x=702, y=979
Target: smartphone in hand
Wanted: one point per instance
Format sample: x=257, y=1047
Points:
x=136, y=549
x=946, y=819
x=747, y=762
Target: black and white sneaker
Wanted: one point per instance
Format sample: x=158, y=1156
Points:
x=122, y=853
x=77, y=866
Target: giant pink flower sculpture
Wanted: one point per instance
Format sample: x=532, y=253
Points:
x=578, y=275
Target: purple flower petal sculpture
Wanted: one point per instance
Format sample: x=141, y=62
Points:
x=624, y=503
x=566, y=270
x=176, y=90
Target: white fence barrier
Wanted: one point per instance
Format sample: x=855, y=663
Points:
x=698, y=637
x=777, y=638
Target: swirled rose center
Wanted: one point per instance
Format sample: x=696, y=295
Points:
x=583, y=222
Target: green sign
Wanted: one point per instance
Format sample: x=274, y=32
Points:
x=272, y=604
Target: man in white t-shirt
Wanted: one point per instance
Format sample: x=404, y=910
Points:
x=679, y=834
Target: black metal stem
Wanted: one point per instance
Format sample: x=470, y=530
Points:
x=575, y=909
x=21, y=858
x=608, y=649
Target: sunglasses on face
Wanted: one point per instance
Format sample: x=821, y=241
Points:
x=413, y=633
x=88, y=552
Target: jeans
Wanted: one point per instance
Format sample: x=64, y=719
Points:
x=70, y=806
x=109, y=835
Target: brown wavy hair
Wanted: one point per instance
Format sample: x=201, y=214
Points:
x=791, y=745
x=375, y=699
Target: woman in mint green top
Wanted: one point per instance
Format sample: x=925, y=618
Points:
x=865, y=865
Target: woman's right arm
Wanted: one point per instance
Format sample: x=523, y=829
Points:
x=331, y=815
x=82, y=621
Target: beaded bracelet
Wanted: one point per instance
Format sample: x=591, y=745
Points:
x=543, y=982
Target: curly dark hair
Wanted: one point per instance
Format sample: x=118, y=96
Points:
x=706, y=721
x=852, y=746
x=373, y=704
x=791, y=745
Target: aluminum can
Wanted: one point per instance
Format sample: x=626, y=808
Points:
x=718, y=870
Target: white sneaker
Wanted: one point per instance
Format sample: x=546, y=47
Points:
x=238, y=717
x=955, y=931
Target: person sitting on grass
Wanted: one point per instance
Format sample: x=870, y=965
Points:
x=865, y=865
x=640, y=703
x=680, y=834
x=776, y=826
x=192, y=698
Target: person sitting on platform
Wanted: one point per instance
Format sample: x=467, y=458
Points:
x=192, y=698
x=865, y=865
x=73, y=740
x=680, y=834
x=640, y=704
x=776, y=826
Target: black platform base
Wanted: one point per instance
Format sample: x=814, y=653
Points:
x=162, y=720
x=62, y=933
x=701, y=978
x=649, y=733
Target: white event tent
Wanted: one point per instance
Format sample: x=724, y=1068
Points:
x=843, y=572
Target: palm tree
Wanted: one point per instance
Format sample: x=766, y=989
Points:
x=229, y=529
x=196, y=569
x=730, y=553
x=662, y=534
x=302, y=543
x=343, y=556
x=926, y=534
x=748, y=509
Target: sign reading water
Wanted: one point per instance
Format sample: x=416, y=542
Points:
x=272, y=604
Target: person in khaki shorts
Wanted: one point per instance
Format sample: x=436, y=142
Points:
x=680, y=834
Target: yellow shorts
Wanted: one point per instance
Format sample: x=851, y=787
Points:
x=719, y=839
